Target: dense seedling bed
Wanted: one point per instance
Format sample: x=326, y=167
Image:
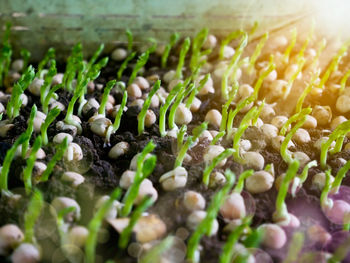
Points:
x=203, y=149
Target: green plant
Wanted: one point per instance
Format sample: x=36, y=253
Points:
x=27, y=172
x=217, y=137
x=183, y=51
x=193, y=94
x=130, y=39
x=141, y=61
x=35, y=206
x=144, y=169
x=240, y=183
x=294, y=118
x=180, y=136
x=25, y=54
x=224, y=110
x=45, y=88
x=338, y=136
x=303, y=176
x=227, y=40
x=197, y=44
x=94, y=57
x=326, y=202
x=29, y=130
x=14, y=105
x=73, y=64
x=196, y=133
x=173, y=39
x=209, y=168
x=281, y=211
x=50, y=54
x=142, y=115
x=257, y=52
x=295, y=247
x=155, y=252
x=290, y=47
x=6, y=53
x=95, y=225
x=102, y=109
x=205, y=225
x=60, y=150
x=51, y=116
x=115, y=126
x=126, y=233
x=124, y=65
x=306, y=91
x=340, y=176
x=300, y=63
x=343, y=81
x=10, y=155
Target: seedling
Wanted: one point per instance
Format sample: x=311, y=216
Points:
x=124, y=65
x=27, y=172
x=295, y=247
x=290, y=47
x=156, y=251
x=126, y=233
x=144, y=169
x=173, y=39
x=184, y=49
x=51, y=116
x=343, y=81
x=6, y=53
x=73, y=62
x=45, y=88
x=324, y=200
x=300, y=63
x=257, y=52
x=196, y=133
x=196, y=90
x=205, y=226
x=25, y=54
x=61, y=224
x=102, y=109
x=209, y=168
x=294, y=118
x=180, y=136
x=339, y=177
x=227, y=40
x=303, y=176
x=95, y=225
x=197, y=44
x=217, y=137
x=94, y=57
x=224, y=111
x=29, y=130
x=35, y=206
x=240, y=183
x=306, y=91
x=130, y=39
x=142, y=115
x=141, y=61
x=50, y=55
x=60, y=150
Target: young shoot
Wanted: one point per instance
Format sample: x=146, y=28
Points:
x=217, y=137
x=27, y=172
x=209, y=168
x=156, y=251
x=141, y=61
x=102, y=109
x=193, y=94
x=95, y=225
x=196, y=133
x=72, y=66
x=50, y=55
x=240, y=183
x=35, y=206
x=60, y=150
x=257, y=52
x=300, y=63
x=205, y=225
x=25, y=54
x=6, y=53
x=224, y=110
x=163, y=109
x=10, y=155
x=306, y=91
x=61, y=224
x=51, y=116
x=126, y=233
x=343, y=81
x=295, y=247
x=130, y=39
x=124, y=65
x=29, y=130
x=115, y=126
x=142, y=115
x=197, y=44
x=227, y=40
x=144, y=169
x=294, y=118
x=338, y=136
x=326, y=202
x=290, y=47
x=183, y=51
x=281, y=212
x=173, y=39
x=94, y=57
x=339, y=177
x=303, y=176
x=180, y=136
x=45, y=88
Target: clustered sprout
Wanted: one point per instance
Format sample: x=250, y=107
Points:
x=45, y=94
x=197, y=44
x=227, y=40
x=173, y=39
x=141, y=61
x=183, y=51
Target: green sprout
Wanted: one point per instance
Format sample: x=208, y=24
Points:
x=227, y=40
x=35, y=206
x=306, y=42
x=303, y=176
x=294, y=118
x=25, y=54
x=224, y=110
x=228, y=249
x=333, y=66
x=180, y=136
x=126, y=233
x=205, y=225
x=124, y=65
x=196, y=133
x=217, y=137
x=295, y=247
x=29, y=130
x=45, y=88
x=94, y=57
x=183, y=51
x=157, y=250
x=320, y=48
x=10, y=155
x=144, y=169
x=197, y=44
x=193, y=94
x=163, y=109
x=115, y=126
x=232, y=66
x=6, y=53
x=209, y=168
x=240, y=183
x=340, y=176
x=300, y=63
x=324, y=200
x=290, y=47
x=95, y=225
x=343, y=81
x=257, y=52
x=141, y=61
x=73, y=62
x=281, y=212
x=142, y=115
x=102, y=109
x=51, y=116
x=27, y=172
x=173, y=39
x=50, y=54
x=130, y=39
x=60, y=150
x=245, y=123
x=306, y=91
x=338, y=136
x=61, y=224
x=15, y=102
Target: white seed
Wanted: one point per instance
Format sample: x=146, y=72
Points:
x=210, y=42
x=245, y=145
x=54, y=103
x=40, y=154
x=39, y=168
x=213, y=117
x=228, y=52
x=290, y=71
x=77, y=236
x=10, y=236
x=5, y=127
x=133, y=163
x=337, y=121
x=279, y=41
x=119, y=54
x=274, y=236
x=173, y=83
x=75, y=179
x=137, y=103
x=61, y=126
x=146, y=189
x=38, y=120
x=269, y=130
x=90, y=104
x=322, y=140
x=193, y=201
x=60, y=203
x=310, y=123
x=26, y=253
x=277, y=88
x=113, y=210
x=279, y=121
x=59, y=137
x=259, y=182
x=267, y=112
x=182, y=115
x=196, y=217
x=343, y=103
x=35, y=86
x=196, y=104
x=213, y=151
x=276, y=142
x=302, y=157
x=172, y=133
x=127, y=179
x=253, y=160
x=216, y=179
x=17, y=65
x=301, y=136
x=319, y=180
x=169, y=76
x=74, y=152
x=154, y=101
x=134, y=91
x=23, y=97
x=57, y=79
x=208, y=86
x=206, y=135
x=100, y=126
x=174, y=179
x=245, y=90
x=142, y=83
x=323, y=114
x=118, y=150
x=150, y=118
x=233, y=207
